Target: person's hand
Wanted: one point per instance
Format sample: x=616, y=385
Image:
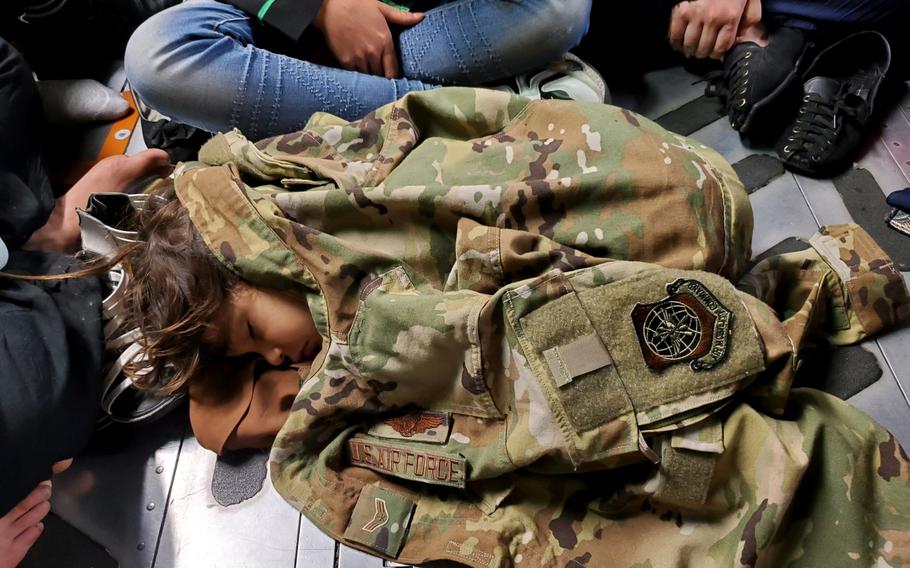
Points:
x=357, y=32
x=60, y=233
x=750, y=26
x=707, y=28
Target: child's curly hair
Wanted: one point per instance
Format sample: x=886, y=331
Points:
x=173, y=292
x=175, y=288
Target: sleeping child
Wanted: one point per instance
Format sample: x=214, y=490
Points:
x=504, y=332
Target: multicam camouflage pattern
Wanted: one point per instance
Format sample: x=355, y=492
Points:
x=831, y=292
x=475, y=256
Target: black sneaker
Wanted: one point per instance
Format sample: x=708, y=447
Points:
x=754, y=76
x=838, y=97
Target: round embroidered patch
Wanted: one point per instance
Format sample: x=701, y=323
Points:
x=690, y=324
x=672, y=330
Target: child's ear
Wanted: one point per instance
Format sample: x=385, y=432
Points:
x=212, y=334
x=242, y=290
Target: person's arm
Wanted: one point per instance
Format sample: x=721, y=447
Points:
x=237, y=404
x=289, y=17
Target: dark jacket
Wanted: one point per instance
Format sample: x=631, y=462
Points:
x=50, y=333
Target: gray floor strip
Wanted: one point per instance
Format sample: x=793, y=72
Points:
x=842, y=371
x=758, y=170
x=692, y=116
x=790, y=244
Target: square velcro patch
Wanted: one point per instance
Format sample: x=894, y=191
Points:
x=380, y=520
x=576, y=358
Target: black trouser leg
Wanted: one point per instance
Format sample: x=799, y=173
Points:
x=50, y=333
x=25, y=192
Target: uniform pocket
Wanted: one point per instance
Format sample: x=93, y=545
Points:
x=574, y=369
x=443, y=449
x=650, y=351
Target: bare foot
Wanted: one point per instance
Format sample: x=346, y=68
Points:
x=112, y=174
x=21, y=527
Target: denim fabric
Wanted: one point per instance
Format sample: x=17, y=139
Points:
x=202, y=62
x=812, y=14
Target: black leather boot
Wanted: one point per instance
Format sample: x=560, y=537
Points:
x=755, y=77
x=839, y=92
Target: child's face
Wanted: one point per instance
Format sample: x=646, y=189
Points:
x=278, y=328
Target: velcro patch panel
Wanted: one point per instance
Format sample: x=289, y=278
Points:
x=408, y=462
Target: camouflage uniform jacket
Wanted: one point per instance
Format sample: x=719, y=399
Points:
x=533, y=352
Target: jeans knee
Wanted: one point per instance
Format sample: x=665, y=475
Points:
x=171, y=55
x=147, y=66
x=566, y=22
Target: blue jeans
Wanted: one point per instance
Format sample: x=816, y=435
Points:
x=809, y=14
x=202, y=62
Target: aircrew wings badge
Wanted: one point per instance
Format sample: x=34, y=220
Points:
x=412, y=424
x=689, y=325
x=422, y=426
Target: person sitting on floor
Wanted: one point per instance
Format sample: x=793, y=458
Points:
x=266, y=67
x=773, y=57
x=50, y=334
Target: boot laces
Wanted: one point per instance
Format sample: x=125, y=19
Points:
x=732, y=87
x=737, y=79
x=818, y=125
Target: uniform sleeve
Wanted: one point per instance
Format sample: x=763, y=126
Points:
x=289, y=17
x=842, y=288
x=487, y=258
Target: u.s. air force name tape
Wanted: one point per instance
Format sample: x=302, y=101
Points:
x=409, y=463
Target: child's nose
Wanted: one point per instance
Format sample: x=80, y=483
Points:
x=274, y=356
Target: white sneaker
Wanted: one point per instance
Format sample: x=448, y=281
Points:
x=4, y=254
x=567, y=78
